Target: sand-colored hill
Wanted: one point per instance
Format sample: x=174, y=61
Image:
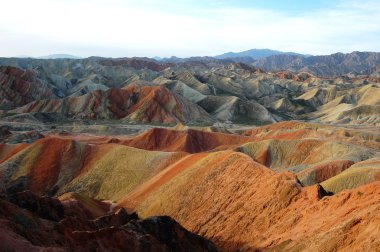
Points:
x=107, y=177
x=359, y=106
x=357, y=175
x=232, y=108
x=318, y=96
x=285, y=154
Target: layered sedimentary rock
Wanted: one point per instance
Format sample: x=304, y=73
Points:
x=268, y=188
x=95, y=140
x=240, y=204
x=133, y=104
x=228, y=92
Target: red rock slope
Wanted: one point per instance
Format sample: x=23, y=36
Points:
x=242, y=205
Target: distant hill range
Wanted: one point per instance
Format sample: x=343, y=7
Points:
x=366, y=63
x=337, y=64
x=256, y=54
x=247, y=57
x=355, y=63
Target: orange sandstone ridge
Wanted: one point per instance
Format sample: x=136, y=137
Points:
x=289, y=186
x=240, y=204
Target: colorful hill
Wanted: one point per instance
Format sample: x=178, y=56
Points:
x=135, y=105
x=250, y=160
x=190, y=91
x=53, y=165
x=240, y=204
x=282, y=187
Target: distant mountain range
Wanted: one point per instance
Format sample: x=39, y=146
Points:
x=355, y=63
x=337, y=64
x=246, y=57
x=256, y=54
x=366, y=63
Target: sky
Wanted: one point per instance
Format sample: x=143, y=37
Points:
x=164, y=28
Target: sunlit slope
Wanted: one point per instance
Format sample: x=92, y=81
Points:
x=240, y=204
x=358, y=174
x=108, y=171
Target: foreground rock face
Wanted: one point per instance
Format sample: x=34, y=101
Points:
x=242, y=205
x=29, y=222
x=59, y=163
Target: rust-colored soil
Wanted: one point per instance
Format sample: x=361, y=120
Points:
x=289, y=186
x=241, y=205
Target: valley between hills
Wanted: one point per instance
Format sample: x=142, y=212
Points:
x=197, y=154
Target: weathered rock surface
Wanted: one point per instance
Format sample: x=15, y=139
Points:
x=242, y=205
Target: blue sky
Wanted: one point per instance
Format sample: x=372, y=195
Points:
x=117, y=28
x=289, y=6
x=286, y=5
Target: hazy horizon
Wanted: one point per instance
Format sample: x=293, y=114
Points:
x=151, y=57
x=147, y=28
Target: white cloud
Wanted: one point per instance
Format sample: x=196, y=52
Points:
x=146, y=28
